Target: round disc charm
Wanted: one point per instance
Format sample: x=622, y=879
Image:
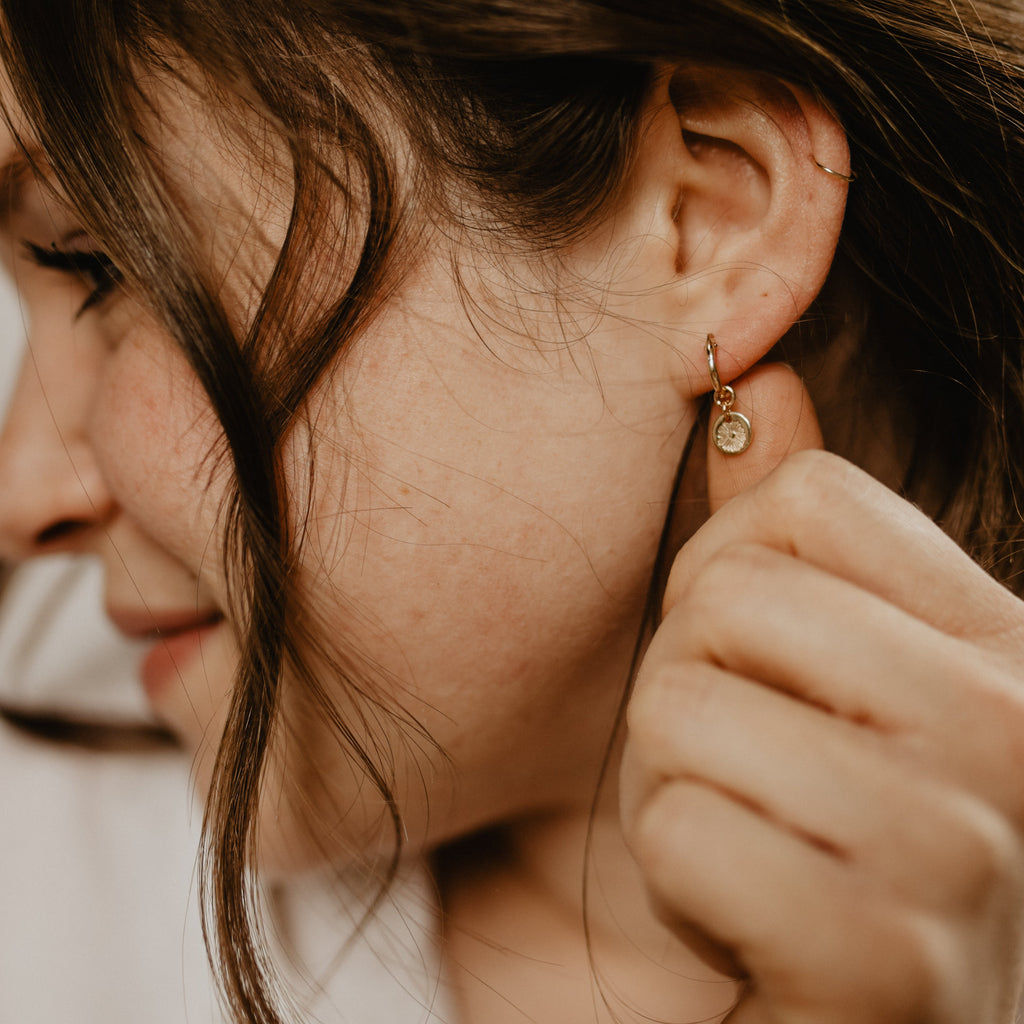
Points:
x=731, y=433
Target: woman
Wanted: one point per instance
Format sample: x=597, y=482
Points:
x=372, y=349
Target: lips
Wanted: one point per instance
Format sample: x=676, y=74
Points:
x=176, y=643
x=148, y=625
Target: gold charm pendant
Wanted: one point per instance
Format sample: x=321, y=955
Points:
x=731, y=433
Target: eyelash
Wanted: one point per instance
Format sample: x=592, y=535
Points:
x=96, y=269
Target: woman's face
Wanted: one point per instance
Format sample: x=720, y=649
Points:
x=491, y=477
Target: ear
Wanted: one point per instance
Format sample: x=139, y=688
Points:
x=746, y=217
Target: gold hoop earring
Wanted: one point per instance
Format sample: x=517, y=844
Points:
x=731, y=433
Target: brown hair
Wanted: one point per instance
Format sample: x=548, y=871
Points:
x=531, y=109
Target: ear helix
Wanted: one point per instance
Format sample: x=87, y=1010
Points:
x=731, y=433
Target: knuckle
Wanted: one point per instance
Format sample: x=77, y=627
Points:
x=934, y=972
x=1004, y=716
x=917, y=967
x=657, y=837
x=646, y=836
x=724, y=579
x=896, y=970
x=645, y=712
x=987, y=858
x=807, y=483
x=667, y=712
x=701, y=604
x=883, y=964
x=729, y=592
x=992, y=744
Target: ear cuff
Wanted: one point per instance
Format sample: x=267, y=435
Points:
x=835, y=174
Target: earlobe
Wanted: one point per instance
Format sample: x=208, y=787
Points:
x=755, y=205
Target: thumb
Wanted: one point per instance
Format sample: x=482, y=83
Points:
x=779, y=408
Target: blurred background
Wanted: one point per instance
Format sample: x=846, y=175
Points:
x=98, y=913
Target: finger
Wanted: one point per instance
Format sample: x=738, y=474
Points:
x=832, y=515
x=833, y=645
x=833, y=783
x=771, y=617
x=710, y=859
x=783, y=421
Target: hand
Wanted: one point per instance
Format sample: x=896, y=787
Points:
x=824, y=773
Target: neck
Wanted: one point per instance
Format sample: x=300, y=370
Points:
x=547, y=920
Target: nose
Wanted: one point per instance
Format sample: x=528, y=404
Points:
x=52, y=495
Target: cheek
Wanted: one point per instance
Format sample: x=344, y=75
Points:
x=157, y=441
x=471, y=584
x=479, y=556
x=484, y=535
